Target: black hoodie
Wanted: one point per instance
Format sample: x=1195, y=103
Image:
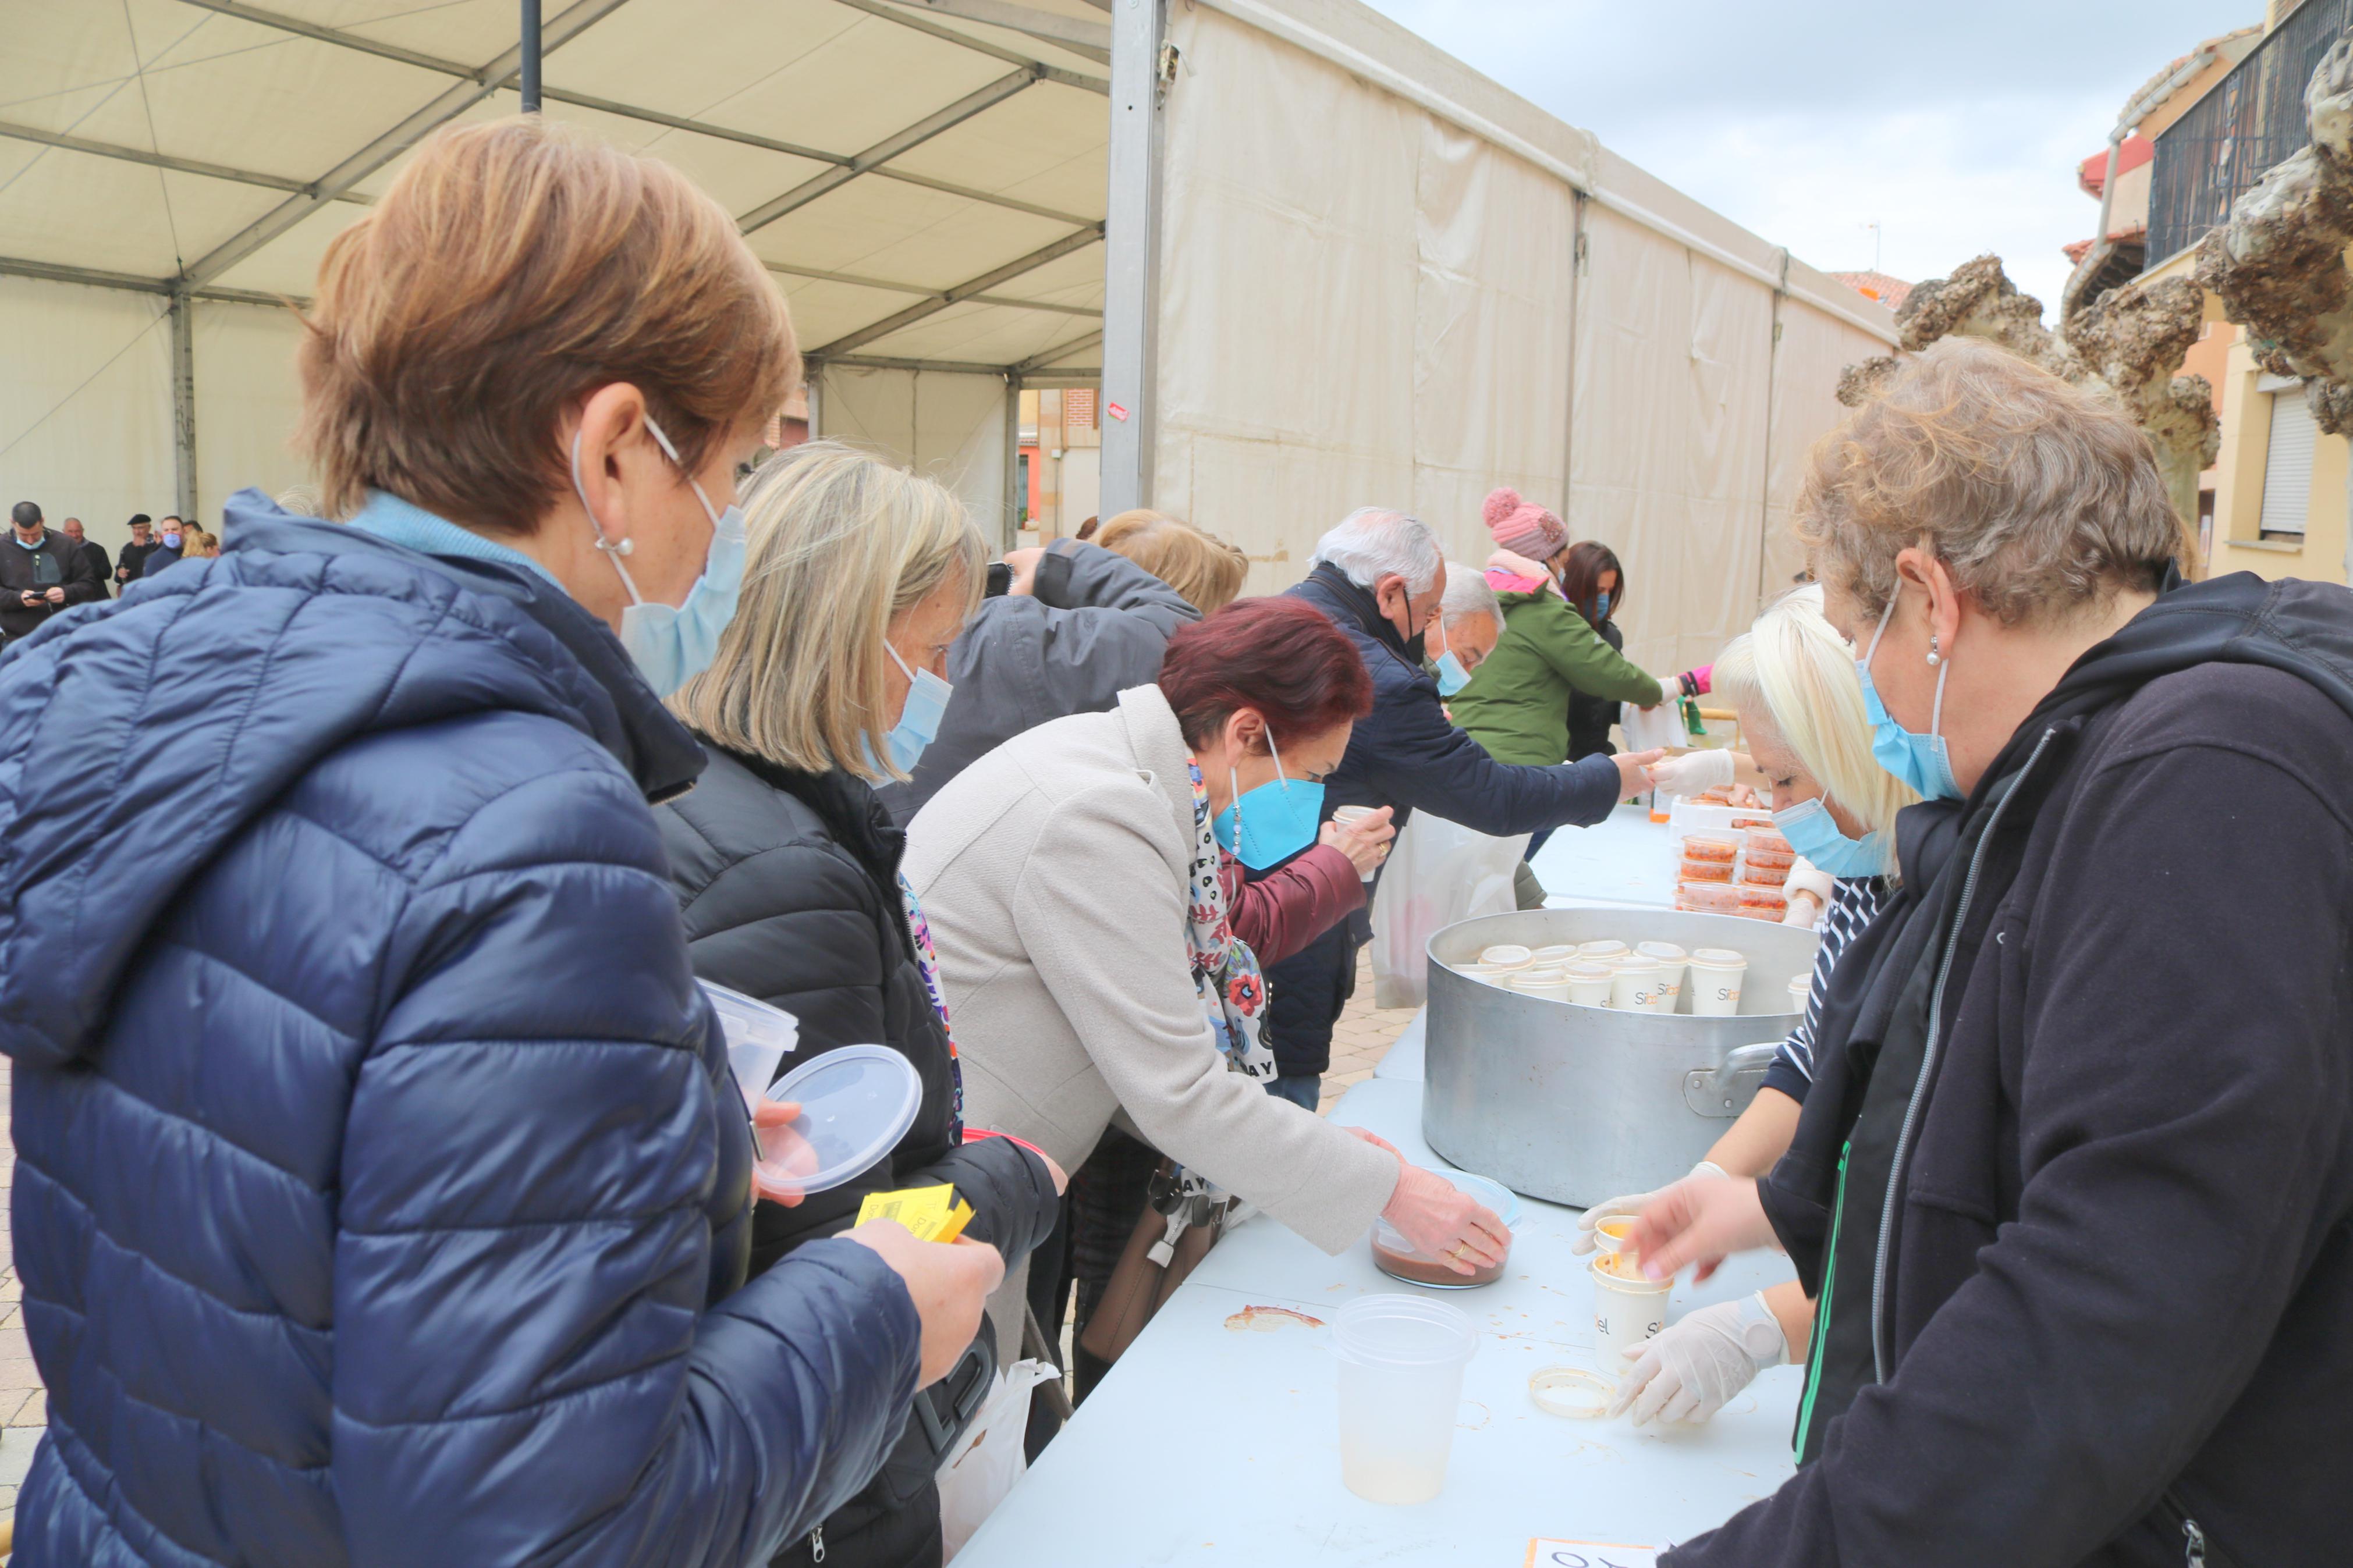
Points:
x=2105, y=1041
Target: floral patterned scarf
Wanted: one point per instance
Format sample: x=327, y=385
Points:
x=1225, y=971
x=927, y=963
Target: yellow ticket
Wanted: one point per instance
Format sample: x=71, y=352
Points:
x=930, y=1214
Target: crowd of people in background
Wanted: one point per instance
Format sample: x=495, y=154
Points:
x=376, y=1134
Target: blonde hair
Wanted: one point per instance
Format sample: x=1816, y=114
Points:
x=1205, y=569
x=514, y=268
x=1794, y=669
x=195, y=544
x=2044, y=497
x=839, y=544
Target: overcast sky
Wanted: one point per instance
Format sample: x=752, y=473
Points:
x=1956, y=127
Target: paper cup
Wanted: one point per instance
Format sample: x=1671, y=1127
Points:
x=1801, y=991
x=1634, y=986
x=1549, y=983
x=1670, y=961
x=1560, y=953
x=1507, y=955
x=1601, y=951
x=1588, y=983
x=1713, y=976
x=1627, y=1307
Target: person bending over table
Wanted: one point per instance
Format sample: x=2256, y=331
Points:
x=1071, y=878
x=2073, y=1183
x=1791, y=678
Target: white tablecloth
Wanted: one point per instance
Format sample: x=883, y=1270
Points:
x=1210, y=1444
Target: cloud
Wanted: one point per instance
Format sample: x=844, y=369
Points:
x=1956, y=128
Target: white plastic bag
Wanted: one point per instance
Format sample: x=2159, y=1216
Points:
x=1438, y=873
x=1650, y=728
x=988, y=1458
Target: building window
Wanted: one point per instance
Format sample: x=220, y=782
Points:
x=2287, y=468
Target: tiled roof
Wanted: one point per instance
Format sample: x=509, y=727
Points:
x=1889, y=291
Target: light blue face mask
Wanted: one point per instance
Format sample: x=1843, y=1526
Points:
x=919, y=720
x=1451, y=676
x=1600, y=607
x=1920, y=760
x=1812, y=832
x=672, y=644
x=1283, y=819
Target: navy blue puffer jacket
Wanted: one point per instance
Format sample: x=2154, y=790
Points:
x=382, y=1194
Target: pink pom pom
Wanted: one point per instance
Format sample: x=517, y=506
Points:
x=1501, y=503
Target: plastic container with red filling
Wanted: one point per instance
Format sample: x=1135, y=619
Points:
x=1704, y=870
x=1711, y=846
x=1708, y=897
x=1763, y=903
x=1766, y=841
x=1757, y=876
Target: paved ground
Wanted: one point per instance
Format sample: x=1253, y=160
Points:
x=1364, y=1036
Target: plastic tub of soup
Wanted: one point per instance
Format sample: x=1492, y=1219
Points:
x=1755, y=876
x=1393, y=1256
x=1711, y=845
x=1762, y=903
x=1690, y=870
x=1767, y=844
x=1709, y=898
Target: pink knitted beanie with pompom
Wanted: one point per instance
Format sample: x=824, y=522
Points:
x=1523, y=527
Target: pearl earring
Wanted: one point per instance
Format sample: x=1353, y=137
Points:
x=1934, y=658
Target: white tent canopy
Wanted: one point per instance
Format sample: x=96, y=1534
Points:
x=1313, y=261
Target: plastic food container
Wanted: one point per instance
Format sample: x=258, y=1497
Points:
x=1711, y=846
x=1607, y=951
x=1690, y=870
x=1707, y=897
x=1588, y=985
x=1627, y=1307
x=1507, y=955
x=1670, y=960
x=1762, y=903
x=1716, y=974
x=1768, y=843
x=1393, y=1256
x=759, y=1037
x=1634, y=988
x=1757, y=876
x=856, y=1103
x=1400, y=1384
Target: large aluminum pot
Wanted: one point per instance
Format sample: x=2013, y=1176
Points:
x=1578, y=1104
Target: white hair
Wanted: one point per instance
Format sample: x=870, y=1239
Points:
x=1467, y=594
x=1372, y=542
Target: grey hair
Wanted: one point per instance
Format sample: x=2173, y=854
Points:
x=1372, y=541
x=1467, y=594
x=2044, y=497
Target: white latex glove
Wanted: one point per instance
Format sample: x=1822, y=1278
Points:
x=1693, y=772
x=1586, y=1239
x=1813, y=883
x=1701, y=1360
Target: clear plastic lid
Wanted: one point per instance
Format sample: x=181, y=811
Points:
x=856, y=1103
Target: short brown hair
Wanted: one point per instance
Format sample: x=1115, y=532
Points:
x=1208, y=572
x=512, y=270
x=2042, y=497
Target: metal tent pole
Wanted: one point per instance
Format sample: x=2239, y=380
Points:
x=530, y=53
x=1132, y=255
x=184, y=400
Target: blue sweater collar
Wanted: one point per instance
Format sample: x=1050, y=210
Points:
x=387, y=516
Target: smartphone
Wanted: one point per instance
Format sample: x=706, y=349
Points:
x=1000, y=580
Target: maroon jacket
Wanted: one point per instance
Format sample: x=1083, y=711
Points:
x=1292, y=905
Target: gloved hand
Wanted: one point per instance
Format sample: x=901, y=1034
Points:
x=1693, y=772
x=1586, y=1240
x=1701, y=1360
x=1808, y=890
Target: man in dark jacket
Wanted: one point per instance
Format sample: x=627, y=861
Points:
x=41, y=572
x=92, y=552
x=1066, y=631
x=2073, y=1186
x=134, y=554
x=1380, y=576
x=168, y=537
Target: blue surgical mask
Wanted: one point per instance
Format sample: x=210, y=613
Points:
x=1282, y=821
x=171, y=542
x=919, y=720
x=1600, y=606
x=1920, y=760
x=1813, y=833
x=672, y=644
x=1451, y=676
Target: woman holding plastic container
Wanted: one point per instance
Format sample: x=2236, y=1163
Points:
x=858, y=575
x=372, y=1111
x=1791, y=678
x=2074, y=1181
x=1071, y=876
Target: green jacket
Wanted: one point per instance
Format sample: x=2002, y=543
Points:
x=1516, y=705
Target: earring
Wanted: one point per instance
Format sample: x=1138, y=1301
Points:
x=1934, y=658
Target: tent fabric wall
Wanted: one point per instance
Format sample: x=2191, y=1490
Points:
x=85, y=404
x=946, y=426
x=1322, y=178
x=247, y=401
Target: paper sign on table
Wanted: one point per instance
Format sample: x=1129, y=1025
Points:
x=931, y=1213
x=1590, y=1554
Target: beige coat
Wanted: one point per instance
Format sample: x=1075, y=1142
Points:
x=1053, y=873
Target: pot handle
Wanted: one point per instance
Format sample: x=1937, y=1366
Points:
x=1722, y=1092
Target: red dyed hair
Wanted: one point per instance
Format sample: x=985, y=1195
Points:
x=1282, y=659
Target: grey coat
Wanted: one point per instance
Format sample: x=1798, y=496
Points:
x=1094, y=625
